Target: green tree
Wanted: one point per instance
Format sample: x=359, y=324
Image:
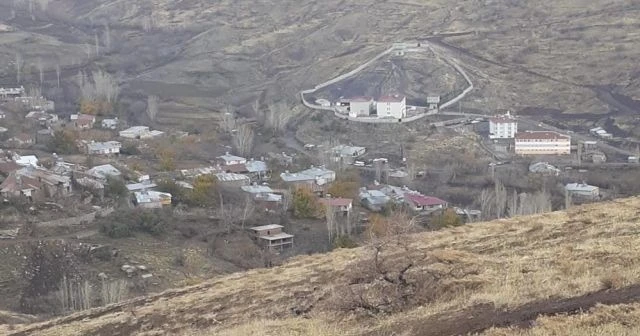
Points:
x=204, y=191
x=64, y=142
x=347, y=185
x=305, y=203
x=170, y=186
x=115, y=188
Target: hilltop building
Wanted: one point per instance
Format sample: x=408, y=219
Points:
x=503, y=127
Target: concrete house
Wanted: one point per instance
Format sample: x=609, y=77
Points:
x=25, y=160
x=22, y=140
x=16, y=185
x=360, y=106
x=503, y=127
x=433, y=102
x=271, y=237
x=233, y=179
x=83, y=121
x=140, y=132
x=317, y=178
x=419, y=202
x=110, y=123
x=347, y=154
x=228, y=159
x=52, y=185
x=338, y=205
x=374, y=200
x=150, y=199
x=392, y=107
x=583, y=190
x=102, y=172
x=543, y=168
x=12, y=93
x=542, y=143
x=104, y=148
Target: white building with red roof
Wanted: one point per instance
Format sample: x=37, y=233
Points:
x=360, y=106
x=503, y=127
x=392, y=107
x=542, y=143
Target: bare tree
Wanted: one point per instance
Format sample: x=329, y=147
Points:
x=486, y=203
x=255, y=106
x=107, y=36
x=58, y=74
x=243, y=139
x=330, y=216
x=114, y=291
x=19, y=65
x=500, y=199
x=97, y=44
x=152, y=107
x=103, y=86
x=41, y=70
x=87, y=49
x=278, y=116
x=247, y=210
x=229, y=119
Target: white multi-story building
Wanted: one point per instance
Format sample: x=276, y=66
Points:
x=360, y=106
x=392, y=107
x=542, y=143
x=503, y=127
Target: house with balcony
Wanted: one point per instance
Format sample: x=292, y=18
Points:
x=271, y=237
x=338, y=205
x=149, y=199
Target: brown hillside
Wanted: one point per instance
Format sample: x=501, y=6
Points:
x=545, y=264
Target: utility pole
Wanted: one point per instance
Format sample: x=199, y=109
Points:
x=580, y=143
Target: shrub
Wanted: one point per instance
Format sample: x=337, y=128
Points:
x=125, y=223
x=344, y=242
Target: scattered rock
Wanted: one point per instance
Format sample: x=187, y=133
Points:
x=102, y=276
x=147, y=276
x=142, y=267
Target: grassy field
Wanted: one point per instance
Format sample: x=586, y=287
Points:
x=502, y=266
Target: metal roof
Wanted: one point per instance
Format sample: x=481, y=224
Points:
x=256, y=189
x=228, y=177
x=277, y=236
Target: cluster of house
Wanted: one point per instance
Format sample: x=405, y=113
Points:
x=529, y=142
x=378, y=196
x=24, y=177
x=18, y=95
x=392, y=106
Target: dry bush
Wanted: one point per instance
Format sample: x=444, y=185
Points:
x=395, y=277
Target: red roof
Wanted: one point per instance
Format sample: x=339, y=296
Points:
x=361, y=99
x=391, y=99
x=421, y=200
x=541, y=135
x=336, y=202
x=502, y=120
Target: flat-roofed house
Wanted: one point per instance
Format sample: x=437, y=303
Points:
x=583, y=190
x=271, y=237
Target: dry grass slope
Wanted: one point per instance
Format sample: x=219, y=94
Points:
x=504, y=264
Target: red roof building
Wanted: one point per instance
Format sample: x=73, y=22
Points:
x=338, y=204
x=422, y=202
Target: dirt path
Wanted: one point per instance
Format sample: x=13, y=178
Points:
x=479, y=318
